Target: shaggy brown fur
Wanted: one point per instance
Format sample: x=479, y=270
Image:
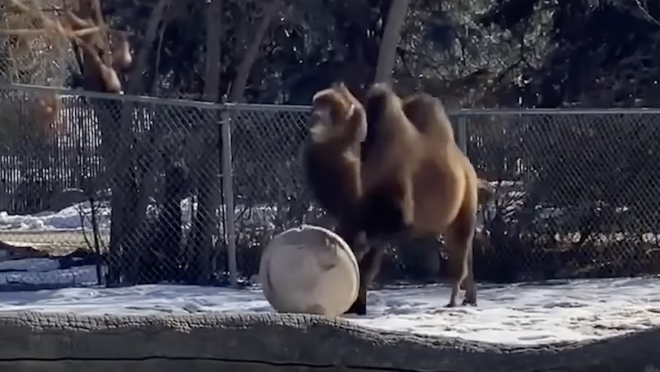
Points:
x=390, y=158
x=400, y=174
x=331, y=157
x=428, y=115
x=416, y=181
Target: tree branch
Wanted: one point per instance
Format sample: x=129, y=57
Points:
x=390, y=40
x=243, y=72
x=136, y=82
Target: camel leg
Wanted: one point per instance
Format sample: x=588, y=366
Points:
x=369, y=267
x=469, y=283
x=352, y=236
x=361, y=246
x=356, y=239
x=407, y=203
x=459, y=238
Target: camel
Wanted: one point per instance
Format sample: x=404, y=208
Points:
x=409, y=179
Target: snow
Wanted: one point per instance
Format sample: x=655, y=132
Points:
x=75, y=217
x=513, y=314
x=79, y=217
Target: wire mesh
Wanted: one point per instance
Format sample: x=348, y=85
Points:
x=33, y=57
x=576, y=194
x=270, y=194
x=128, y=189
x=134, y=187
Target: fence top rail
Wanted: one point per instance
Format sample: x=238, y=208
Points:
x=154, y=100
x=557, y=111
x=305, y=108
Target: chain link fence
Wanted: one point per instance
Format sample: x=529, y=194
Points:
x=32, y=57
x=577, y=193
x=74, y=167
x=102, y=189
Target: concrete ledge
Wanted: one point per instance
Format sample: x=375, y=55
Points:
x=278, y=342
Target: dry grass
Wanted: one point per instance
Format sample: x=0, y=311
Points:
x=55, y=243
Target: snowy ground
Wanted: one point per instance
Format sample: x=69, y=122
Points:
x=515, y=314
x=75, y=217
x=78, y=217
x=519, y=314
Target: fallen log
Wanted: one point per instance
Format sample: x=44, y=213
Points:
x=284, y=342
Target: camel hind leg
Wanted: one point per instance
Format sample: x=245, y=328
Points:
x=459, y=237
x=470, y=285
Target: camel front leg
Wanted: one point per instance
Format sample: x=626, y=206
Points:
x=407, y=203
x=369, y=267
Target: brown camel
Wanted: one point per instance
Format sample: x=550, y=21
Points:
x=413, y=168
x=411, y=179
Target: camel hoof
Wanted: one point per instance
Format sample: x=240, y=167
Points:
x=357, y=308
x=471, y=303
x=450, y=305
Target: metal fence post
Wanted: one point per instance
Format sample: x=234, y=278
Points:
x=228, y=190
x=462, y=133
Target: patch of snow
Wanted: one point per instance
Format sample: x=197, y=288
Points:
x=513, y=314
x=44, y=272
x=75, y=217
x=79, y=217
x=29, y=264
x=524, y=314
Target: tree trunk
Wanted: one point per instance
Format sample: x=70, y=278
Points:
x=126, y=215
x=243, y=72
x=108, y=113
x=208, y=196
x=390, y=40
x=134, y=223
x=213, y=51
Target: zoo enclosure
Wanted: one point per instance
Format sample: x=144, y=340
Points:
x=575, y=190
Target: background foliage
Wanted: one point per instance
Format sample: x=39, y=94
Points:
x=576, y=194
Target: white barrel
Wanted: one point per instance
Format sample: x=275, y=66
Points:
x=309, y=269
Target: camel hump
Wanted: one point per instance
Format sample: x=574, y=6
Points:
x=380, y=102
x=428, y=115
x=379, y=90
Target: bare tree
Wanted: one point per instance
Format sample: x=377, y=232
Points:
x=103, y=57
x=103, y=63
x=390, y=40
x=205, y=223
x=145, y=164
x=209, y=197
x=252, y=52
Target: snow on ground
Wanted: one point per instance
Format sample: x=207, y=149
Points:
x=514, y=314
x=65, y=220
x=78, y=217
x=41, y=271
